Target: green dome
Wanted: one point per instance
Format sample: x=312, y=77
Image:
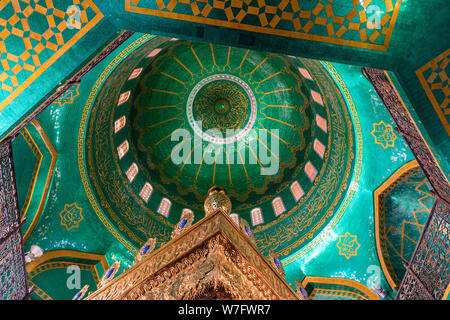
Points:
x=177, y=117
x=246, y=101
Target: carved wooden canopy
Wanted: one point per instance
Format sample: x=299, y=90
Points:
x=212, y=259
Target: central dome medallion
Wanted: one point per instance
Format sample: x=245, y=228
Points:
x=222, y=102
x=174, y=118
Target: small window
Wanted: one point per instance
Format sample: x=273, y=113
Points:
x=257, y=217
x=135, y=73
x=317, y=97
x=119, y=124
x=321, y=123
x=123, y=149
x=132, y=172
x=123, y=97
x=278, y=206
x=319, y=148
x=310, y=171
x=305, y=73
x=146, y=192
x=235, y=218
x=296, y=190
x=154, y=53
x=164, y=207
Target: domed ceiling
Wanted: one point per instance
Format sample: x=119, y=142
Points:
x=176, y=117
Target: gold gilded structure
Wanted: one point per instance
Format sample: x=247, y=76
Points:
x=212, y=259
x=217, y=199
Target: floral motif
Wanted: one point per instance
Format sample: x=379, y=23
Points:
x=68, y=96
x=71, y=216
x=384, y=134
x=347, y=245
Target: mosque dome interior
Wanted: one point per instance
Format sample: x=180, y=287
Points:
x=122, y=140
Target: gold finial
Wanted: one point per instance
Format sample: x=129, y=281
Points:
x=217, y=199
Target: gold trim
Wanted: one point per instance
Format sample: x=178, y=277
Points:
x=447, y=293
x=54, y=155
x=334, y=292
x=376, y=194
x=62, y=218
x=272, y=31
x=67, y=253
x=344, y=282
x=38, y=154
x=54, y=57
x=430, y=95
x=38, y=291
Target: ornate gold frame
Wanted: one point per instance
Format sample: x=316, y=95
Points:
x=213, y=255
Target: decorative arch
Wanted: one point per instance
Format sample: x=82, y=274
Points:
x=41, y=179
x=55, y=265
x=67, y=254
x=380, y=219
x=338, y=287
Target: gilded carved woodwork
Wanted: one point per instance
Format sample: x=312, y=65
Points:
x=109, y=274
x=146, y=250
x=211, y=258
x=187, y=217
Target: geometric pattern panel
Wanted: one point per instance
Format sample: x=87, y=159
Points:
x=357, y=23
x=402, y=209
x=429, y=275
x=434, y=79
x=34, y=34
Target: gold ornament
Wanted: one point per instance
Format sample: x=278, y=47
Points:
x=81, y=293
x=245, y=227
x=145, y=250
x=187, y=217
x=276, y=263
x=217, y=199
x=301, y=292
x=109, y=274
